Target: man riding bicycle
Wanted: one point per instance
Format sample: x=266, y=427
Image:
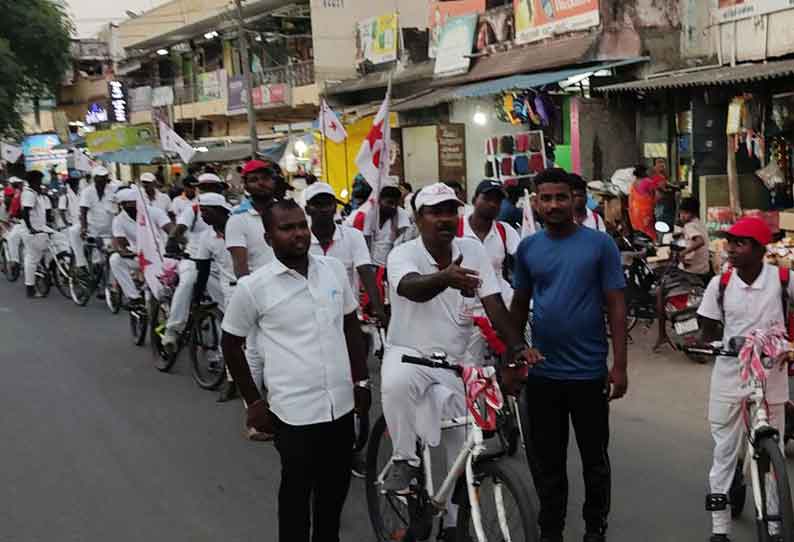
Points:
x=96, y=213
x=36, y=207
x=434, y=283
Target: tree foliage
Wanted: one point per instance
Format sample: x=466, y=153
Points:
x=34, y=55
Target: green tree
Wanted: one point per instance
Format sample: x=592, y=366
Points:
x=34, y=55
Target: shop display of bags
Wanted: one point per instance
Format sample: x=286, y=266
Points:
x=515, y=155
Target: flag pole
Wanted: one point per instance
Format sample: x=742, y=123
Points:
x=326, y=173
x=385, y=160
x=347, y=172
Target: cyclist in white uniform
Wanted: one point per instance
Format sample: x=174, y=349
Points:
x=154, y=198
x=35, y=207
x=96, y=212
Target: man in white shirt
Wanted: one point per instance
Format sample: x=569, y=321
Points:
x=245, y=240
x=154, y=198
x=392, y=221
x=752, y=298
x=213, y=261
x=434, y=282
x=35, y=208
x=125, y=237
x=186, y=199
x=96, y=211
x=316, y=371
x=581, y=214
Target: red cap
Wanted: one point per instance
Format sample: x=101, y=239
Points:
x=256, y=165
x=752, y=228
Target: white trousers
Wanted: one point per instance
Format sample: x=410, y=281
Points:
x=35, y=248
x=14, y=239
x=729, y=434
x=77, y=245
x=180, y=303
x=122, y=269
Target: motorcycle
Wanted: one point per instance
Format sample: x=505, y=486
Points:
x=641, y=280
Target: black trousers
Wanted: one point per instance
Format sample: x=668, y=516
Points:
x=315, y=476
x=552, y=405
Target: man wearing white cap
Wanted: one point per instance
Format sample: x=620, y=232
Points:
x=214, y=263
x=35, y=210
x=125, y=238
x=434, y=281
x=96, y=213
x=190, y=224
x=154, y=198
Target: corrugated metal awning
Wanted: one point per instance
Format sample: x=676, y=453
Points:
x=725, y=75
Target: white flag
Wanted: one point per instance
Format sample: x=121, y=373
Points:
x=150, y=258
x=330, y=127
x=373, y=157
x=528, y=224
x=170, y=141
x=83, y=162
x=10, y=153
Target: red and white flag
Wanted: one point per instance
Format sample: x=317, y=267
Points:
x=330, y=126
x=373, y=157
x=10, y=153
x=528, y=224
x=150, y=250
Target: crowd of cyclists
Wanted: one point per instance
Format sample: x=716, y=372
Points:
x=296, y=275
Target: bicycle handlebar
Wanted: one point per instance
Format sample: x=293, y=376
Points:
x=433, y=364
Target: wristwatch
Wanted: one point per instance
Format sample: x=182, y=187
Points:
x=363, y=384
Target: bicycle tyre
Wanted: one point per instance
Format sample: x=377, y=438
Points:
x=771, y=456
x=205, y=378
x=513, y=478
x=11, y=272
x=62, y=282
x=42, y=281
x=83, y=285
x=384, y=532
x=737, y=494
x=164, y=361
x=113, y=298
x=139, y=326
x=4, y=257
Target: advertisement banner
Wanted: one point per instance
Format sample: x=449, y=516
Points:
x=39, y=153
x=539, y=19
x=236, y=96
x=731, y=10
x=121, y=138
x=457, y=41
x=441, y=11
x=209, y=86
x=265, y=96
x=377, y=39
x=140, y=99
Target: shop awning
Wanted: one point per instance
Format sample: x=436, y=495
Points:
x=140, y=155
x=724, y=75
x=238, y=152
x=408, y=74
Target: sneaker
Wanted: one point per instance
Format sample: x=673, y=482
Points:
x=719, y=538
x=401, y=475
x=359, y=468
x=32, y=293
x=169, y=341
x=228, y=392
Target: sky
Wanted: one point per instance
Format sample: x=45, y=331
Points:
x=90, y=15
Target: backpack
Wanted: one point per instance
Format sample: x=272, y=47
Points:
x=784, y=274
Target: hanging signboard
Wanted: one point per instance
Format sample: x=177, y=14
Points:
x=97, y=113
x=40, y=155
x=441, y=11
x=377, y=39
x=119, y=106
x=731, y=10
x=454, y=49
x=236, y=96
x=209, y=86
x=540, y=19
x=452, y=152
x=121, y=138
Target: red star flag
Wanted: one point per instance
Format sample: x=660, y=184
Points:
x=330, y=127
x=170, y=141
x=149, y=246
x=373, y=157
x=10, y=153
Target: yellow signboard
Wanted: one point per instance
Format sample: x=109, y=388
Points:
x=377, y=39
x=117, y=139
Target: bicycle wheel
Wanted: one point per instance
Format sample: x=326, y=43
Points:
x=163, y=361
x=113, y=297
x=61, y=272
x=506, y=507
x=206, y=358
x=777, y=514
x=3, y=257
x=43, y=283
x=11, y=272
x=389, y=514
x=139, y=321
x=737, y=495
x=84, y=281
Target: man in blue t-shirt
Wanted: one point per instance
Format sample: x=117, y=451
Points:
x=570, y=273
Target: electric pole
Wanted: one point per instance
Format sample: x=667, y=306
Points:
x=244, y=57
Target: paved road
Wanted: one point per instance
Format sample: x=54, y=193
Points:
x=97, y=445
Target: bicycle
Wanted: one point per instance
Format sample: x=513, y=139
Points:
x=97, y=277
x=491, y=491
x=59, y=269
x=11, y=272
x=764, y=458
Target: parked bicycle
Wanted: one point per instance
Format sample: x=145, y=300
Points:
x=491, y=489
x=764, y=458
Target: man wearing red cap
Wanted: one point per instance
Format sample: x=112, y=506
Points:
x=747, y=297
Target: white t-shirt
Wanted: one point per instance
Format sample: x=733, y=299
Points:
x=300, y=324
x=594, y=221
x=180, y=203
x=445, y=322
x=70, y=202
x=349, y=247
x=38, y=204
x=127, y=228
x=212, y=246
x=747, y=308
x=195, y=225
x=160, y=201
x=383, y=237
x=246, y=230
x=100, y=211
x=497, y=250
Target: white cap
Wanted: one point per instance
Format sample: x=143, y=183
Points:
x=316, y=189
x=209, y=178
x=148, y=178
x=100, y=171
x=15, y=180
x=126, y=195
x=211, y=199
x=434, y=194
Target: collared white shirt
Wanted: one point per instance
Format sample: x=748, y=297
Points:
x=349, y=247
x=497, y=250
x=180, y=203
x=594, y=221
x=127, y=228
x=38, y=204
x=70, y=202
x=747, y=308
x=246, y=230
x=300, y=323
x=212, y=246
x=160, y=201
x=383, y=237
x=445, y=322
x=191, y=218
x=100, y=211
